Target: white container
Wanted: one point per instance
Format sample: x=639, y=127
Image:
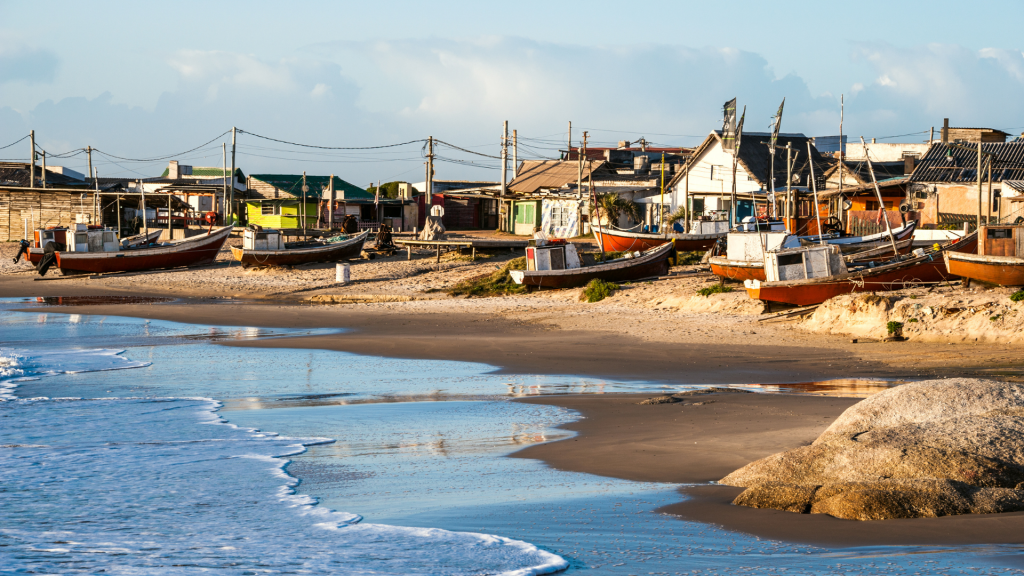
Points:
x=342, y=274
x=804, y=263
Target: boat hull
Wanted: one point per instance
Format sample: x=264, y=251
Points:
x=736, y=269
x=195, y=251
x=1001, y=270
x=294, y=257
x=924, y=269
x=655, y=262
x=620, y=241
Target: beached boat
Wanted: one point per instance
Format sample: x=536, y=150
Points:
x=623, y=241
x=850, y=244
x=740, y=270
x=193, y=251
x=922, y=267
x=264, y=248
x=41, y=237
x=1000, y=257
x=563, y=269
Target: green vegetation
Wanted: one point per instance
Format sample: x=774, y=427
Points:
x=1017, y=296
x=688, y=258
x=614, y=206
x=895, y=328
x=716, y=289
x=597, y=290
x=913, y=320
x=389, y=190
x=996, y=317
x=498, y=283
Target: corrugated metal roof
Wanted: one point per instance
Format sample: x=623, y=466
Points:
x=292, y=184
x=537, y=174
x=956, y=164
x=756, y=160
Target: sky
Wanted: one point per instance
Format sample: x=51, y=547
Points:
x=157, y=81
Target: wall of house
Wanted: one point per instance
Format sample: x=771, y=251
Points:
x=289, y=217
x=560, y=218
x=885, y=151
x=712, y=174
x=42, y=208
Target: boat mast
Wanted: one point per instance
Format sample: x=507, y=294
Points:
x=881, y=203
x=842, y=158
x=814, y=188
x=735, y=161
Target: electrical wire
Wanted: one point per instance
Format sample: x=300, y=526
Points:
x=15, y=142
x=328, y=147
x=467, y=151
x=161, y=157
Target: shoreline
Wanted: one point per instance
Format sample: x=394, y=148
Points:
x=619, y=438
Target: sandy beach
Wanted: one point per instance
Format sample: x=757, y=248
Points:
x=657, y=332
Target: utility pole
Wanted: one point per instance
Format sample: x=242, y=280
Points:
x=304, y=188
x=231, y=177
x=32, y=159
x=330, y=207
x=789, y=180
x=224, y=174
x=43, y=153
x=979, y=184
x=88, y=155
x=568, y=147
x=430, y=173
x=515, y=154
x=988, y=215
x=145, y=224
x=504, y=159
x=686, y=196
x=661, y=208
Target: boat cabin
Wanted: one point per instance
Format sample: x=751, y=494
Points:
x=1002, y=240
x=87, y=239
x=266, y=239
x=804, y=263
x=555, y=256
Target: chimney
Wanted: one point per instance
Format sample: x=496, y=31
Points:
x=172, y=170
x=945, y=130
x=908, y=164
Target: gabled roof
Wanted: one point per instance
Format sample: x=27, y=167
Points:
x=955, y=164
x=537, y=174
x=755, y=158
x=318, y=185
x=17, y=174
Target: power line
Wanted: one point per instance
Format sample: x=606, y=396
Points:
x=467, y=151
x=15, y=142
x=162, y=157
x=329, y=147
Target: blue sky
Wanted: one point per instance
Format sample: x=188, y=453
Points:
x=141, y=80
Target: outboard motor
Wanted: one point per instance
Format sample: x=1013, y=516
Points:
x=22, y=249
x=49, y=256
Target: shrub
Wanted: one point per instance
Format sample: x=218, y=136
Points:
x=688, y=258
x=498, y=283
x=912, y=320
x=895, y=328
x=716, y=289
x=597, y=290
x=1017, y=296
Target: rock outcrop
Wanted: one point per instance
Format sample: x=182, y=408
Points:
x=925, y=449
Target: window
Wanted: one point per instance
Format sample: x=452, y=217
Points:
x=559, y=214
x=270, y=209
x=996, y=195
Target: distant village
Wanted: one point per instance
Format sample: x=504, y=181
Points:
x=711, y=187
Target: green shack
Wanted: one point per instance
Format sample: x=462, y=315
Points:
x=276, y=200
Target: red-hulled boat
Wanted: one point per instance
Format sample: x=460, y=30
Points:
x=1000, y=257
x=929, y=266
x=194, y=251
x=35, y=252
x=654, y=262
x=623, y=241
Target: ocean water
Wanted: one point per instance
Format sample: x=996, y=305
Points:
x=143, y=447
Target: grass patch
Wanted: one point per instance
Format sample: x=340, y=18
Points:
x=913, y=320
x=716, y=289
x=1017, y=296
x=688, y=258
x=996, y=317
x=597, y=290
x=498, y=283
x=895, y=328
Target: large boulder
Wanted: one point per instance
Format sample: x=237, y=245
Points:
x=925, y=449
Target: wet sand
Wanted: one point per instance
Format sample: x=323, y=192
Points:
x=685, y=443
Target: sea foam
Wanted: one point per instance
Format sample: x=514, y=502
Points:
x=24, y=365
x=133, y=486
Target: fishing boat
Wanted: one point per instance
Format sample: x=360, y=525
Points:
x=1000, y=257
x=849, y=244
x=921, y=267
x=193, y=251
x=43, y=236
x=624, y=241
x=266, y=248
x=560, y=267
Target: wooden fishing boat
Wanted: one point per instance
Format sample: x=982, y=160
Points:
x=35, y=253
x=653, y=262
x=925, y=266
x=1000, y=257
x=295, y=253
x=849, y=244
x=194, y=251
x=623, y=241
